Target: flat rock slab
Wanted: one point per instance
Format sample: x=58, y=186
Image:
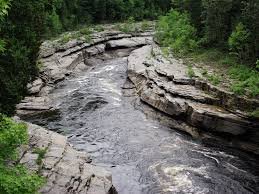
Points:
x=165, y=85
x=66, y=170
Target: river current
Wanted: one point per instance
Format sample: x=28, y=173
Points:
x=145, y=157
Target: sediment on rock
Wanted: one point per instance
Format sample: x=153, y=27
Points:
x=165, y=85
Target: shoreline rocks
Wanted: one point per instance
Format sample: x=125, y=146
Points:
x=65, y=169
x=59, y=61
x=165, y=85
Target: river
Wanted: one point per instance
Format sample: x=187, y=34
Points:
x=145, y=157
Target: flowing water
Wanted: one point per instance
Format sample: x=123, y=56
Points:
x=144, y=156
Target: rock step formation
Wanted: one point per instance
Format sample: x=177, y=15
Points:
x=166, y=86
x=59, y=60
x=66, y=170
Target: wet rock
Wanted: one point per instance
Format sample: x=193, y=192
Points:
x=66, y=170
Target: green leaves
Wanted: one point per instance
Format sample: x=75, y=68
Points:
x=239, y=42
x=175, y=30
x=12, y=135
x=15, y=178
x=4, y=6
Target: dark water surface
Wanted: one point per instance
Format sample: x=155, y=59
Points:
x=144, y=156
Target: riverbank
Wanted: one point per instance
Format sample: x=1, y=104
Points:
x=206, y=112
x=206, y=109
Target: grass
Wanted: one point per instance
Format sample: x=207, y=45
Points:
x=190, y=71
x=41, y=154
x=99, y=28
x=214, y=79
x=244, y=79
x=84, y=32
x=255, y=113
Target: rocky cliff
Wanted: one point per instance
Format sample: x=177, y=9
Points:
x=192, y=105
x=67, y=170
x=208, y=112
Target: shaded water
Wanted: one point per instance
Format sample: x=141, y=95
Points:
x=143, y=155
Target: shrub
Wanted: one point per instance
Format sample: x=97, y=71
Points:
x=246, y=80
x=175, y=30
x=145, y=25
x=239, y=42
x=15, y=178
x=214, y=79
x=190, y=72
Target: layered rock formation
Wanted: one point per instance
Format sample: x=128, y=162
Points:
x=65, y=169
x=57, y=61
x=206, y=109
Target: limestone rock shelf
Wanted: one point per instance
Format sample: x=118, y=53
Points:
x=165, y=85
x=66, y=170
x=57, y=61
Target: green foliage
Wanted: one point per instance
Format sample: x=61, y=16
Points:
x=4, y=6
x=239, y=42
x=12, y=135
x=255, y=113
x=41, y=153
x=98, y=28
x=120, y=10
x=246, y=80
x=15, y=178
x=204, y=72
x=225, y=23
x=214, y=79
x=128, y=26
x=22, y=33
x=175, y=30
x=145, y=25
x=190, y=71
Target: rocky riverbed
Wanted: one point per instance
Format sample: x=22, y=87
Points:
x=83, y=93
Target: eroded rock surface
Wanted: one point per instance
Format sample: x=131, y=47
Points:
x=165, y=85
x=66, y=170
x=57, y=61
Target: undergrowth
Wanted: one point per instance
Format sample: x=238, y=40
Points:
x=15, y=178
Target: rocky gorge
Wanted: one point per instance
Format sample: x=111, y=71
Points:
x=206, y=112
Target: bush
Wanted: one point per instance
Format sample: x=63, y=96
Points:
x=15, y=178
x=239, y=42
x=175, y=30
x=190, y=71
x=246, y=80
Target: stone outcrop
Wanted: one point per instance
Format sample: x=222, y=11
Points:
x=165, y=85
x=66, y=170
x=57, y=61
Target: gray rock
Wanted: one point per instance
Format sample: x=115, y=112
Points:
x=164, y=85
x=66, y=170
x=35, y=86
x=129, y=42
